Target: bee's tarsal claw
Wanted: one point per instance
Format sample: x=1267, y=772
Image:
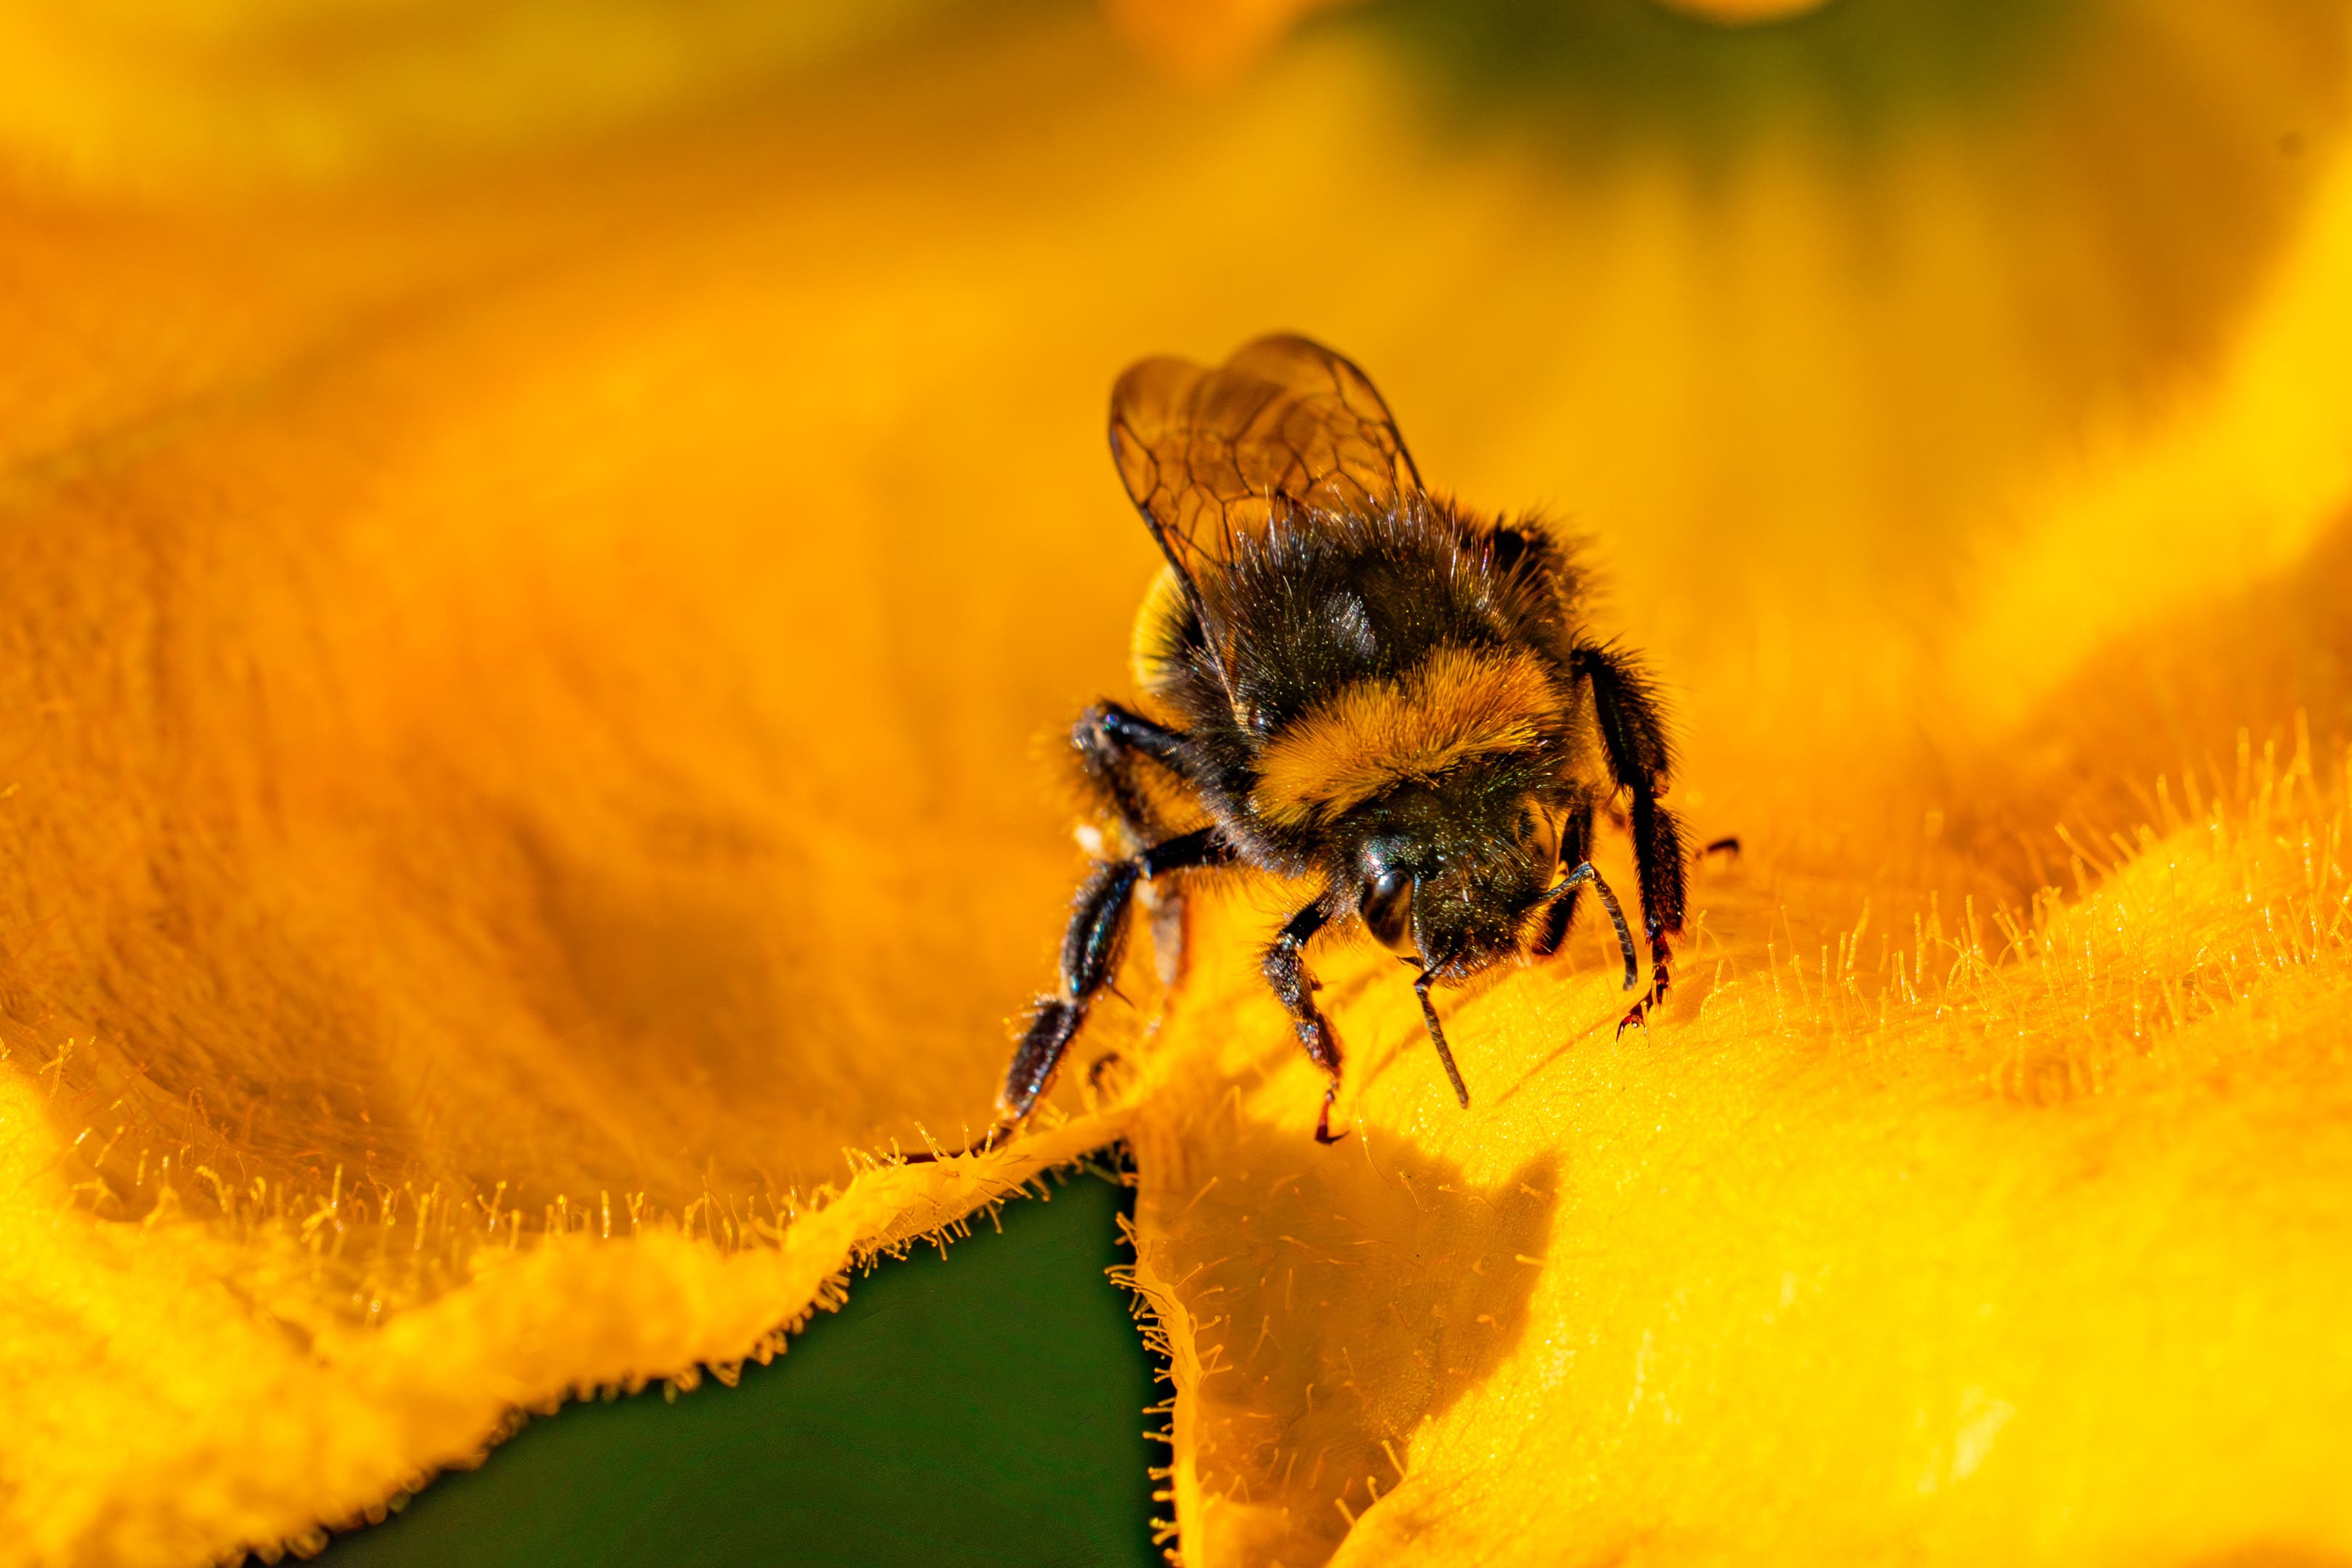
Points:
x=1323, y=1133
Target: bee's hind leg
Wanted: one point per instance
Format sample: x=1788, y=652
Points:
x=1286, y=973
x=1090, y=951
x=1633, y=738
x=1658, y=852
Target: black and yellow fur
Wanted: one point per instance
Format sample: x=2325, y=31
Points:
x=1381, y=693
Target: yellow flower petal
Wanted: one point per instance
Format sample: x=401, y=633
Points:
x=244, y=93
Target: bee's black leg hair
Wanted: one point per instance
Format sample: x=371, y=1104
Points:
x=1107, y=738
x=1291, y=982
x=1575, y=849
x=1633, y=735
x=1090, y=951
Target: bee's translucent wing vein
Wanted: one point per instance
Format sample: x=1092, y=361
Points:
x=1208, y=455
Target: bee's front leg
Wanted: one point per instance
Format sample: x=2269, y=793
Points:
x=1286, y=973
x=1575, y=849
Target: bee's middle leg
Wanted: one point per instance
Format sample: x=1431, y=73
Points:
x=1090, y=951
x=1287, y=972
x=1109, y=737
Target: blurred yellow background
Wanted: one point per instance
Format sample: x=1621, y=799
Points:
x=547, y=548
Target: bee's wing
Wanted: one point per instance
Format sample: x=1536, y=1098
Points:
x=1208, y=455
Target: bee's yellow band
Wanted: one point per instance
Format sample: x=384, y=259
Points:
x=1374, y=734
x=1156, y=623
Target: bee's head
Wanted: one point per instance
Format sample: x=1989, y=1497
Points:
x=1447, y=873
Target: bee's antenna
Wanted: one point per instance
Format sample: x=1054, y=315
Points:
x=1585, y=874
x=1437, y=1035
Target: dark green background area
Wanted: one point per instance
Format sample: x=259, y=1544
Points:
x=983, y=1407
x=1601, y=76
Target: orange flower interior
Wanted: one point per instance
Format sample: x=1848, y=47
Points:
x=534, y=657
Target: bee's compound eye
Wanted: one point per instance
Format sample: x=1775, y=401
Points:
x=1539, y=831
x=1388, y=912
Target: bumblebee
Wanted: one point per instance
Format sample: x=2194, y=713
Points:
x=1364, y=685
